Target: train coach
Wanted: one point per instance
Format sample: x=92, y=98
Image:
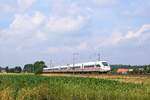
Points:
x=97, y=66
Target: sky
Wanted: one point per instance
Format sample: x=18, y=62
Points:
x=55, y=30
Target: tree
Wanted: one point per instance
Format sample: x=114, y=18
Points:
x=7, y=69
x=147, y=68
x=17, y=69
x=38, y=67
x=28, y=68
x=0, y=68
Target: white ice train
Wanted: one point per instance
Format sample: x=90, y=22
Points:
x=98, y=66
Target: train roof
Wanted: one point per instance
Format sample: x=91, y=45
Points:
x=87, y=63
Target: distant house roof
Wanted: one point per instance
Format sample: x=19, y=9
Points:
x=122, y=70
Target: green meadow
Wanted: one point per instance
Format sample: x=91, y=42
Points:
x=34, y=87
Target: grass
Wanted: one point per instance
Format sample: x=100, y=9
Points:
x=31, y=87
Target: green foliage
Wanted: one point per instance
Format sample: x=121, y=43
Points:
x=16, y=69
x=30, y=87
x=113, y=71
x=36, y=68
x=120, y=66
x=28, y=68
x=147, y=68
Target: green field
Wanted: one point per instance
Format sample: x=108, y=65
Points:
x=31, y=87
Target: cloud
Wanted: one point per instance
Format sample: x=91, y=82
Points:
x=26, y=23
x=5, y=8
x=25, y=4
x=142, y=35
x=27, y=30
x=145, y=29
x=64, y=24
x=82, y=46
x=29, y=23
x=24, y=31
x=105, y=3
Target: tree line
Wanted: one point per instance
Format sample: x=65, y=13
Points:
x=36, y=68
x=136, y=69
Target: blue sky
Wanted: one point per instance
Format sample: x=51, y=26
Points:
x=47, y=30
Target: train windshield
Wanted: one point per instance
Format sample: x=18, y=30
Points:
x=105, y=63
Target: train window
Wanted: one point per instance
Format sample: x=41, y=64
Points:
x=87, y=66
x=77, y=67
x=63, y=68
x=105, y=63
x=98, y=65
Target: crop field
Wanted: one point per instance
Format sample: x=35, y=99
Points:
x=34, y=87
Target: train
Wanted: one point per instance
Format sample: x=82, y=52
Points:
x=95, y=66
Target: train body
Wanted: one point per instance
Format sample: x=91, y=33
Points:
x=97, y=66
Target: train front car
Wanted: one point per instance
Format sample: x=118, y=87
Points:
x=104, y=66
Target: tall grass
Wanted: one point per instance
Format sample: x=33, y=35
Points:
x=30, y=87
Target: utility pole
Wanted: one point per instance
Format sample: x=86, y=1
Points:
x=50, y=63
x=73, y=59
x=98, y=56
